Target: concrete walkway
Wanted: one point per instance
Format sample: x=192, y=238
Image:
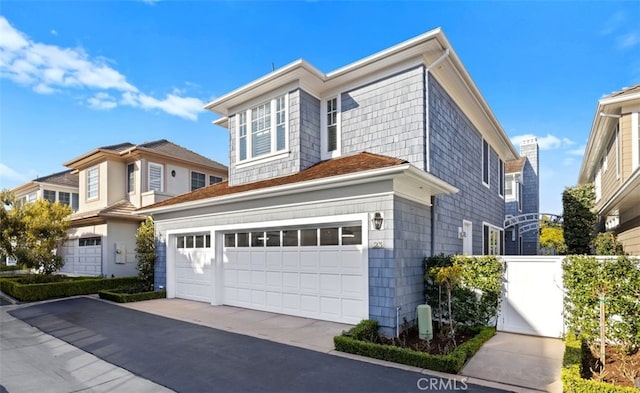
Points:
x=532, y=363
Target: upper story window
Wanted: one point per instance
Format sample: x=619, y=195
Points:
x=485, y=163
x=49, y=195
x=197, y=180
x=93, y=176
x=512, y=186
x=75, y=201
x=520, y=195
x=214, y=179
x=262, y=129
x=598, y=182
x=330, y=140
x=156, y=177
x=501, y=177
x=64, y=198
x=131, y=179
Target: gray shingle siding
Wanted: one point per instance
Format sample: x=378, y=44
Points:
x=456, y=157
x=386, y=117
x=309, y=140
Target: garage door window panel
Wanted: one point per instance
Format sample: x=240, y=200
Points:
x=351, y=236
x=290, y=238
x=309, y=237
x=257, y=239
x=329, y=237
x=243, y=239
x=89, y=241
x=273, y=239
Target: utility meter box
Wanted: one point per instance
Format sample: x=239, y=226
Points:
x=425, y=325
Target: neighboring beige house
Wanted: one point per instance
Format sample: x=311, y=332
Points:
x=612, y=161
x=113, y=182
x=59, y=187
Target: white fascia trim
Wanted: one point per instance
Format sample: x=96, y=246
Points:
x=436, y=185
x=288, y=70
x=222, y=121
x=619, y=99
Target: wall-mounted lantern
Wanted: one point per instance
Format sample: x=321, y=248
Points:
x=377, y=220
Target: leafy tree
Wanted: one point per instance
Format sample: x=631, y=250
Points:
x=552, y=236
x=579, y=218
x=146, y=252
x=606, y=243
x=31, y=232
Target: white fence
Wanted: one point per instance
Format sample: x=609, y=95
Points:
x=533, y=298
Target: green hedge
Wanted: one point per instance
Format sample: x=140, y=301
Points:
x=451, y=363
x=27, y=292
x=120, y=297
x=11, y=268
x=572, y=380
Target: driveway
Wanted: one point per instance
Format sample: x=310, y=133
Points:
x=192, y=358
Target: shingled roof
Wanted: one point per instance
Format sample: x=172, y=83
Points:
x=64, y=178
x=334, y=167
x=625, y=91
x=514, y=166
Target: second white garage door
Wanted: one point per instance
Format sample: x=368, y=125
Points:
x=316, y=272
x=193, y=267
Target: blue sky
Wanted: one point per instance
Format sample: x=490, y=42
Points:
x=78, y=75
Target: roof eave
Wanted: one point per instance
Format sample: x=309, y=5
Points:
x=311, y=185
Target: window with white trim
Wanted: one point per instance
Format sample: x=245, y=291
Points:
x=491, y=240
x=520, y=195
x=64, y=198
x=268, y=129
x=197, y=180
x=330, y=124
x=156, y=177
x=485, y=162
x=511, y=188
x=131, y=180
x=598, y=183
x=93, y=177
x=501, y=177
x=49, y=195
x=75, y=201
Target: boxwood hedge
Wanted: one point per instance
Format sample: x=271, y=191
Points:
x=29, y=289
x=120, y=297
x=451, y=363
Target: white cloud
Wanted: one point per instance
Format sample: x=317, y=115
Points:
x=613, y=23
x=49, y=69
x=102, y=101
x=54, y=32
x=577, y=152
x=548, y=142
x=628, y=40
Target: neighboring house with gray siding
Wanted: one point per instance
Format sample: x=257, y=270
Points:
x=522, y=198
x=340, y=185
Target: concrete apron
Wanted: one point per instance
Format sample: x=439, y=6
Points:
x=522, y=361
x=300, y=332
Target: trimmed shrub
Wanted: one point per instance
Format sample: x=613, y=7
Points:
x=584, y=277
x=606, y=243
x=11, y=268
x=476, y=298
x=571, y=376
x=24, y=289
x=579, y=218
x=122, y=297
x=366, y=330
x=451, y=363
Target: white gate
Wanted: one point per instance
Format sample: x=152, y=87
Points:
x=533, y=297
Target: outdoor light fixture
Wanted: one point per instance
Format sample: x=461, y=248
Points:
x=377, y=220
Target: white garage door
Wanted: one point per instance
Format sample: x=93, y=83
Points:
x=311, y=272
x=193, y=267
x=83, y=256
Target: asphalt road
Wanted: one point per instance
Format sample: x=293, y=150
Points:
x=191, y=358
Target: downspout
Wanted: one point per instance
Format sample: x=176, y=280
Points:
x=427, y=165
